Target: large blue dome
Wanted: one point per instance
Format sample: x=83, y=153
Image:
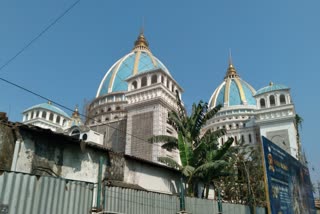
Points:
x=139, y=60
x=233, y=91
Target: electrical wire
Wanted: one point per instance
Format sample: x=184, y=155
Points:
x=45, y=98
x=40, y=34
x=71, y=110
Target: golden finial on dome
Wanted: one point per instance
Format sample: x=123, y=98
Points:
x=231, y=71
x=271, y=84
x=49, y=102
x=141, y=42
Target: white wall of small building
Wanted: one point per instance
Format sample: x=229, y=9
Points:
x=151, y=177
x=77, y=165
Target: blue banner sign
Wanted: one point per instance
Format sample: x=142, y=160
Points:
x=288, y=182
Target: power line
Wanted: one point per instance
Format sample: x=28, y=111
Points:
x=71, y=110
x=45, y=98
x=40, y=34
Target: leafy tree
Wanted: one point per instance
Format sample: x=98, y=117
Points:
x=245, y=185
x=200, y=156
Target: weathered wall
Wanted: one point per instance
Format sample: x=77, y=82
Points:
x=151, y=177
x=115, y=169
x=7, y=142
x=114, y=134
x=44, y=154
x=41, y=152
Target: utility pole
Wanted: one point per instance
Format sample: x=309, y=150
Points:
x=182, y=201
x=219, y=202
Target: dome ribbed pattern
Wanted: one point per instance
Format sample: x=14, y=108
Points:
x=139, y=60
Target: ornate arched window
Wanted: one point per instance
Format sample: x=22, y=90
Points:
x=58, y=119
x=154, y=79
x=282, y=99
x=262, y=103
x=144, y=81
x=134, y=85
x=272, y=100
x=51, y=117
x=44, y=114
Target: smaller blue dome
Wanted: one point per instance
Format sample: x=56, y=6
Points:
x=49, y=107
x=271, y=87
x=233, y=91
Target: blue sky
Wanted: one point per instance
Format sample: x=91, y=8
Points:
x=270, y=40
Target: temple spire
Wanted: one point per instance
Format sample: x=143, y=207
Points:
x=231, y=71
x=141, y=43
x=142, y=26
x=230, y=58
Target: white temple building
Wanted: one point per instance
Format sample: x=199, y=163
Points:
x=248, y=114
x=137, y=92
x=47, y=116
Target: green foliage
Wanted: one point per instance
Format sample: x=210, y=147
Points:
x=201, y=157
x=245, y=185
x=171, y=142
x=298, y=121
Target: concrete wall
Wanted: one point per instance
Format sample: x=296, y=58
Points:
x=42, y=152
x=7, y=142
x=151, y=177
x=116, y=166
x=45, y=154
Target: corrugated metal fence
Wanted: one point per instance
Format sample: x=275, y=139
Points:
x=29, y=194
x=201, y=206
x=23, y=193
x=129, y=201
x=120, y=200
